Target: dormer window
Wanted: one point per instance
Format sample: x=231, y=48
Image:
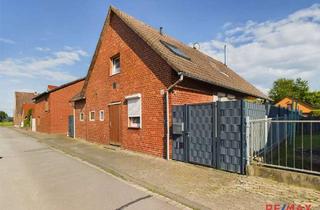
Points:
x=115, y=65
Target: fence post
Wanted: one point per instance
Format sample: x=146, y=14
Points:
x=266, y=129
x=265, y=137
x=248, y=139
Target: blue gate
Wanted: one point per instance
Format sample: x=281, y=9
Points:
x=230, y=136
x=200, y=134
x=210, y=134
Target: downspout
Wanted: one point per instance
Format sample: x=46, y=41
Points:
x=168, y=111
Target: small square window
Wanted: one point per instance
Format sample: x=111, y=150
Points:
x=92, y=117
x=101, y=115
x=134, y=122
x=115, y=65
x=81, y=116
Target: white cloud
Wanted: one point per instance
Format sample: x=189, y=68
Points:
x=263, y=52
x=43, y=49
x=7, y=41
x=42, y=68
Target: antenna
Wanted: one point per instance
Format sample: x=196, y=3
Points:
x=225, y=54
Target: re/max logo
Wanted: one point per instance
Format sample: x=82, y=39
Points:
x=288, y=207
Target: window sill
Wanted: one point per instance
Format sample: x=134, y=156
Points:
x=114, y=74
x=134, y=128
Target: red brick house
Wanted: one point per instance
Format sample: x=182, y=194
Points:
x=53, y=107
x=137, y=73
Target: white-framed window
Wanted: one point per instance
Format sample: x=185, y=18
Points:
x=134, y=111
x=115, y=65
x=92, y=116
x=81, y=116
x=101, y=115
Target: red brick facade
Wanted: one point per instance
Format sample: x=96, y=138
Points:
x=142, y=72
x=52, y=109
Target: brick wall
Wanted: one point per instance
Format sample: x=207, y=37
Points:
x=55, y=119
x=61, y=108
x=43, y=122
x=81, y=126
x=181, y=95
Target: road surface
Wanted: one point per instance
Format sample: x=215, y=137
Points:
x=34, y=176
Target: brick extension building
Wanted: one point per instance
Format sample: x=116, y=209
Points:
x=133, y=70
x=53, y=107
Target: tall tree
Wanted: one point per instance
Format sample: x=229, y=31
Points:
x=3, y=116
x=301, y=89
x=298, y=88
x=313, y=98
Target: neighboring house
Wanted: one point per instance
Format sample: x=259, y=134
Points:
x=294, y=104
x=53, y=107
x=21, y=98
x=123, y=101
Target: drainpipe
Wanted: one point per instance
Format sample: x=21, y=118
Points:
x=168, y=111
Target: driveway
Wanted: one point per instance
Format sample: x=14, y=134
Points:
x=34, y=176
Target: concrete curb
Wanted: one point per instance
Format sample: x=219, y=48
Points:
x=121, y=175
x=289, y=177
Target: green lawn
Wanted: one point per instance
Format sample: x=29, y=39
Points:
x=6, y=124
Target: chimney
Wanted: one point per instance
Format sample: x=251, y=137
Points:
x=161, y=30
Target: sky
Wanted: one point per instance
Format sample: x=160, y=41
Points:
x=52, y=41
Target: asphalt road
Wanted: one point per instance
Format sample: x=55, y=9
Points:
x=34, y=176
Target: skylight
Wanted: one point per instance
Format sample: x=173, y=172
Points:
x=175, y=50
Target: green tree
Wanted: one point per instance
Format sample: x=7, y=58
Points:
x=3, y=116
x=313, y=98
x=27, y=120
x=298, y=89
x=301, y=89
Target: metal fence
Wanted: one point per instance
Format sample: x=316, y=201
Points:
x=286, y=144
